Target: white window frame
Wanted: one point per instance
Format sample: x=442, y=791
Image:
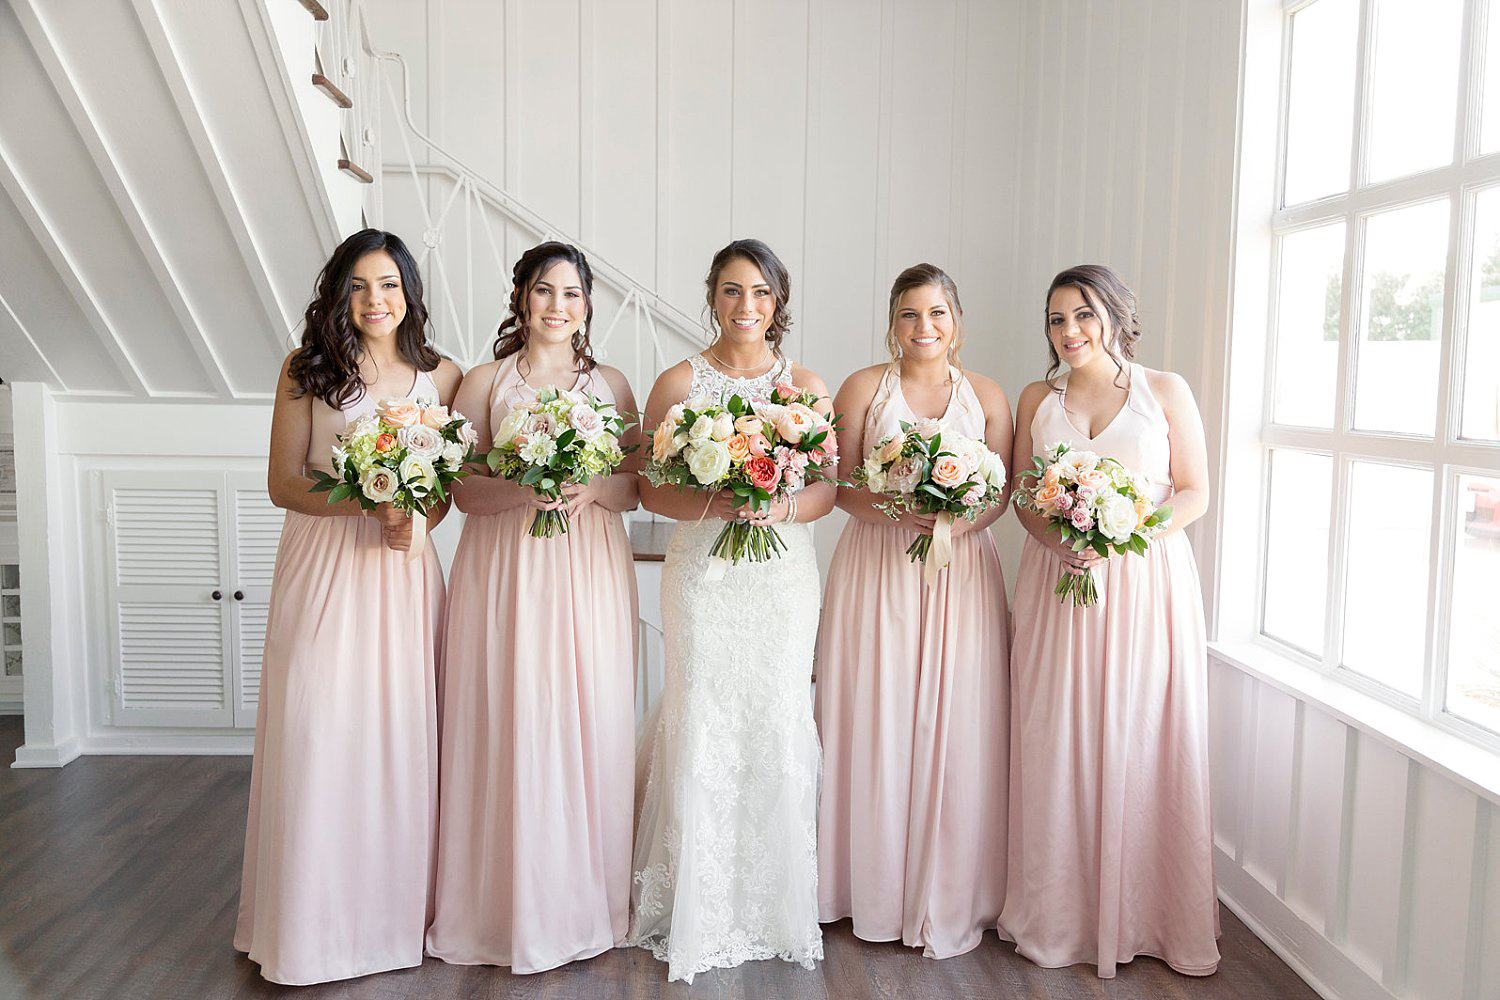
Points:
x=1249, y=435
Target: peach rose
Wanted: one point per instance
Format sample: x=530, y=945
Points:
x=385, y=442
x=949, y=471
x=739, y=449
x=891, y=450
x=662, y=445
x=749, y=424
x=796, y=421
x=436, y=417
x=1046, y=497
x=401, y=412
x=1051, y=475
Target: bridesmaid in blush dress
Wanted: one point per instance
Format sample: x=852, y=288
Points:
x=1111, y=844
x=343, y=789
x=913, y=685
x=538, y=703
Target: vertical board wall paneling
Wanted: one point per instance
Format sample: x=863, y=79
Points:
x=547, y=135
x=767, y=112
x=1373, y=890
x=1268, y=817
x=1436, y=894
x=620, y=176
x=1312, y=870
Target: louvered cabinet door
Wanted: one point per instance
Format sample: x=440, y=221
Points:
x=256, y=532
x=168, y=551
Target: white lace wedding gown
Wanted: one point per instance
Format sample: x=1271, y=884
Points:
x=726, y=846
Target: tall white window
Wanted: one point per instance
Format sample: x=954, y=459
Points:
x=1381, y=551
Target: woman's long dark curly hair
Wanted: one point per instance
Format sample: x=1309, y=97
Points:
x=327, y=363
x=516, y=328
x=775, y=273
x=1102, y=289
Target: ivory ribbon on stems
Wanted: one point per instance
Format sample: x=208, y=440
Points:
x=941, y=553
x=717, y=565
x=418, y=535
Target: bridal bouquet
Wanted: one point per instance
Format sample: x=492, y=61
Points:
x=928, y=470
x=407, y=453
x=562, y=437
x=761, y=450
x=1094, y=503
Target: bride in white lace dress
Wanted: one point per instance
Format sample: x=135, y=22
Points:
x=726, y=846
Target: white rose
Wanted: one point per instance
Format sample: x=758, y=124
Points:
x=378, y=484
x=467, y=435
x=702, y=429
x=708, y=461
x=723, y=427
x=538, y=448
x=1075, y=462
x=453, y=454
x=674, y=414
x=417, y=473
x=1115, y=516
x=992, y=469
x=874, y=475
x=421, y=440
x=583, y=419
x=540, y=422
x=368, y=424
x=509, y=427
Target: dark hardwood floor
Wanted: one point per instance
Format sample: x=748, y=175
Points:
x=119, y=878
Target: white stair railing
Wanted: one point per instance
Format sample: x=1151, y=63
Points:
x=471, y=229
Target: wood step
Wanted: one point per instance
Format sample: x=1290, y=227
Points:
x=334, y=93
x=314, y=8
x=356, y=171
x=648, y=540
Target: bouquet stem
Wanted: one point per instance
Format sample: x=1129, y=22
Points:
x=918, y=549
x=549, y=524
x=754, y=542
x=1081, y=587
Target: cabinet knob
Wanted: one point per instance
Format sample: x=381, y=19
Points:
x=239, y=595
x=216, y=595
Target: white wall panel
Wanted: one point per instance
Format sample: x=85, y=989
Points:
x=1268, y=798
x=1376, y=814
x=1435, y=928
x=1312, y=875
x=620, y=159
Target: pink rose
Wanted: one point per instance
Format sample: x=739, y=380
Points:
x=904, y=475
x=399, y=412
x=1093, y=479
x=787, y=389
x=949, y=471
x=975, y=494
x=1064, y=502
x=541, y=423
x=927, y=428
x=1081, y=519
x=798, y=460
x=758, y=444
x=586, y=421
x=762, y=472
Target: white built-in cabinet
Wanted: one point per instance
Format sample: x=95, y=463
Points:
x=189, y=555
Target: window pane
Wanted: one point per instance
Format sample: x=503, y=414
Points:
x=1307, y=326
x=1414, y=89
x=1481, y=399
x=1296, y=548
x=13, y=663
x=1401, y=319
x=1489, y=122
x=1385, y=589
x=10, y=576
x=1474, y=640
x=10, y=605
x=1320, y=116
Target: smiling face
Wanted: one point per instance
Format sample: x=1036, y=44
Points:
x=743, y=302
x=1078, y=331
x=556, y=305
x=924, y=325
x=377, y=304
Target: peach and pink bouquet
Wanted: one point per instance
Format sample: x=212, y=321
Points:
x=561, y=437
x=407, y=454
x=927, y=469
x=1094, y=503
x=761, y=450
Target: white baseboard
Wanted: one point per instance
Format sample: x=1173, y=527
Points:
x=11, y=708
x=1320, y=963
x=50, y=755
x=171, y=744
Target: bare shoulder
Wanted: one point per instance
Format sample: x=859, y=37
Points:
x=1032, y=396
x=987, y=389
x=865, y=380
x=671, y=386
x=806, y=378
x=1169, y=387
x=447, y=375
x=615, y=379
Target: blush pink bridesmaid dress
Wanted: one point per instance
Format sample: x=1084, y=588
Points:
x=343, y=789
x=913, y=706
x=538, y=734
x=1111, y=843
